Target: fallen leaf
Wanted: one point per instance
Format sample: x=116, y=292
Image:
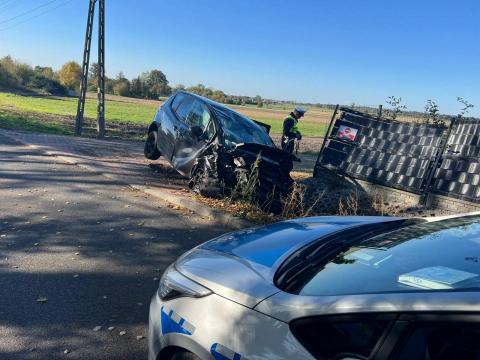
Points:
x=111, y=328
x=97, y=328
x=42, y=300
x=141, y=223
x=66, y=351
x=121, y=333
x=36, y=244
x=140, y=337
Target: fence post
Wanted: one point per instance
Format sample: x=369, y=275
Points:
x=441, y=152
x=327, y=134
x=380, y=109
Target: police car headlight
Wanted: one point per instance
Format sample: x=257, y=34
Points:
x=174, y=285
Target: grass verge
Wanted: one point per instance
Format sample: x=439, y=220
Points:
x=120, y=113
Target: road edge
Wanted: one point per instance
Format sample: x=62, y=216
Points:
x=181, y=201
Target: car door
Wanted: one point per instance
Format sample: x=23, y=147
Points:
x=343, y=336
x=391, y=336
x=167, y=123
x=195, y=130
x=433, y=336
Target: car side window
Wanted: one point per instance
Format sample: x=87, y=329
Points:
x=184, y=108
x=441, y=341
x=199, y=116
x=177, y=100
x=340, y=338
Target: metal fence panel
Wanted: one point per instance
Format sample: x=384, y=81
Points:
x=459, y=172
x=391, y=153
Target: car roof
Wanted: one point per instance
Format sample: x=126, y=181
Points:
x=207, y=100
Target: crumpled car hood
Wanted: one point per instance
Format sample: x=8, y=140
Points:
x=267, y=151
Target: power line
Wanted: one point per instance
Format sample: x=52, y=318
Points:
x=8, y=2
x=28, y=12
x=36, y=16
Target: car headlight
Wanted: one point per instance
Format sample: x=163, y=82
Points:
x=173, y=285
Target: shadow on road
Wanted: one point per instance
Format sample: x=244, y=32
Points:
x=94, y=248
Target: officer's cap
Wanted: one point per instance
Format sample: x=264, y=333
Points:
x=299, y=110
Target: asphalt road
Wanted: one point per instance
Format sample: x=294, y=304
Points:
x=78, y=251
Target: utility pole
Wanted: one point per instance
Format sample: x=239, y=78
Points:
x=101, y=70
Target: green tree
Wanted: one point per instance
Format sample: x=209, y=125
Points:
x=121, y=85
x=156, y=84
x=93, y=75
x=24, y=73
x=122, y=88
x=258, y=101
x=432, y=114
x=137, y=88
x=46, y=72
x=70, y=75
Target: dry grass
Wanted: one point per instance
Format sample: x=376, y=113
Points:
x=349, y=205
x=298, y=203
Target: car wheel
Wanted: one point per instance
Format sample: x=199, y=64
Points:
x=201, y=184
x=151, y=151
x=184, y=355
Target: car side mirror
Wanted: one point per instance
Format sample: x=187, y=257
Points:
x=196, y=131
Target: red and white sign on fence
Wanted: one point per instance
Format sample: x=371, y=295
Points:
x=346, y=133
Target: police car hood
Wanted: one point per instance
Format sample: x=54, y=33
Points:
x=240, y=266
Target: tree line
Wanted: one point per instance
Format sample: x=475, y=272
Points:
x=153, y=84
x=16, y=75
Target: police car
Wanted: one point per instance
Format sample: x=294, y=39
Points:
x=325, y=288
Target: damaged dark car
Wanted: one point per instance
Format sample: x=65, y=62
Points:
x=218, y=149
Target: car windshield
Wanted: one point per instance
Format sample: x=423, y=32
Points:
x=238, y=129
x=432, y=256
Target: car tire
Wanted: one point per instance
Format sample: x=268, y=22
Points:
x=151, y=151
x=200, y=184
x=184, y=355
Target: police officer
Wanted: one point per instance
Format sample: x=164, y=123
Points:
x=290, y=129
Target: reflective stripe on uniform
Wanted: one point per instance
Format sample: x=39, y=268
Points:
x=295, y=125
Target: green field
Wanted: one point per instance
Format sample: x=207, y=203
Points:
x=116, y=111
x=56, y=114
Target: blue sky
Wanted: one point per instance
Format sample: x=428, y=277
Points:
x=305, y=50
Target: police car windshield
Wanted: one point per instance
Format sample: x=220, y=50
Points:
x=238, y=129
x=431, y=256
